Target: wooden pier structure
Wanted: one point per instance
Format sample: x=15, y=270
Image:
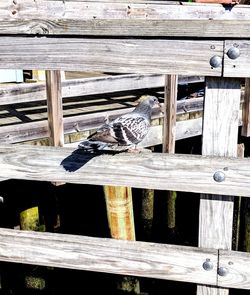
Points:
x=147, y=43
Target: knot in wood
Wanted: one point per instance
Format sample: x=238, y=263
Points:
x=14, y=9
x=39, y=29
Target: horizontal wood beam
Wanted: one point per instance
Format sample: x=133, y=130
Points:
x=35, y=130
x=235, y=264
x=160, y=261
x=108, y=255
x=184, y=57
x=238, y=66
x=191, y=173
x=27, y=92
x=123, y=18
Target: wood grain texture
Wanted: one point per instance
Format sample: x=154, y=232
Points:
x=156, y=171
x=170, y=105
x=54, y=106
x=169, y=137
x=238, y=266
x=183, y=57
x=108, y=255
x=25, y=92
x=123, y=19
x=221, y=117
x=245, y=131
x=119, y=206
x=239, y=67
x=220, y=135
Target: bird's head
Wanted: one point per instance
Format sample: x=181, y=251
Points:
x=149, y=100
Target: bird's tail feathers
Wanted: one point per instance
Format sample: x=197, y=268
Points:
x=95, y=146
x=92, y=146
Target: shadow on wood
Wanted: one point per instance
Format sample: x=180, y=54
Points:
x=76, y=160
x=79, y=158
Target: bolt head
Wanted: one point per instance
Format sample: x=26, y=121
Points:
x=215, y=61
x=208, y=265
x=219, y=176
x=233, y=52
x=222, y=271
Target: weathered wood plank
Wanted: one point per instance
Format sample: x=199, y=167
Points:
x=237, y=267
x=221, y=116
x=183, y=57
x=246, y=110
x=108, y=255
x=54, y=106
x=25, y=92
x=170, y=106
x=18, y=93
x=123, y=19
x=157, y=171
x=220, y=134
x=55, y=109
x=169, y=138
x=240, y=66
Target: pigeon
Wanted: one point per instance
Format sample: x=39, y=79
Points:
x=126, y=130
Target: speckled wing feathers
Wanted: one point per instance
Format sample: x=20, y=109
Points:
x=130, y=129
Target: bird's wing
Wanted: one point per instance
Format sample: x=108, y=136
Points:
x=125, y=130
x=130, y=129
x=104, y=134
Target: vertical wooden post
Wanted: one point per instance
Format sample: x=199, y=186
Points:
x=169, y=132
x=120, y=212
x=220, y=134
x=245, y=131
x=147, y=213
x=119, y=205
x=237, y=207
x=55, y=109
x=246, y=234
x=170, y=102
x=54, y=105
x=29, y=220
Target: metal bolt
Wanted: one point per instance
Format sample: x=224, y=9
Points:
x=233, y=52
x=219, y=176
x=222, y=271
x=208, y=265
x=215, y=61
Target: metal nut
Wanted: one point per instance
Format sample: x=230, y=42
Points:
x=215, y=61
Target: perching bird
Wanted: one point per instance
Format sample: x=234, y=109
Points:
x=126, y=130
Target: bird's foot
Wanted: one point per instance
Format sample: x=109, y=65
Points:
x=135, y=150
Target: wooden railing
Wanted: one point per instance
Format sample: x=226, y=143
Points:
x=142, y=37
